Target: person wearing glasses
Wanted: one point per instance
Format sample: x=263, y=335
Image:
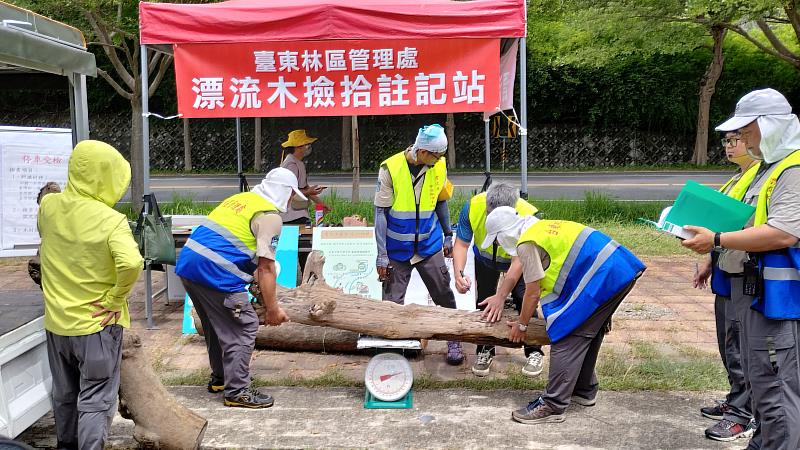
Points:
x=412, y=223
x=734, y=414
x=297, y=147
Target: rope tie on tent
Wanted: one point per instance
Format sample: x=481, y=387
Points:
x=148, y=114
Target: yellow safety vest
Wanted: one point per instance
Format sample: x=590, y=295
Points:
x=556, y=237
x=742, y=184
x=765, y=194
x=477, y=220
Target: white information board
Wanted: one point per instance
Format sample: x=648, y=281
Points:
x=29, y=158
x=350, y=254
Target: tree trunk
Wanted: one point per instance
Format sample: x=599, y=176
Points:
x=347, y=162
x=316, y=303
x=354, y=196
x=137, y=170
x=708, y=85
x=161, y=422
x=187, y=146
x=296, y=337
x=257, y=147
x=450, y=129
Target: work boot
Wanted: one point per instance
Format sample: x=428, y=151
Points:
x=726, y=431
x=483, y=363
x=215, y=385
x=715, y=412
x=583, y=401
x=537, y=411
x=534, y=365
x=455, y=355
x=249, y=398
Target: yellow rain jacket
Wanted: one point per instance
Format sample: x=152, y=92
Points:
x=88, y=253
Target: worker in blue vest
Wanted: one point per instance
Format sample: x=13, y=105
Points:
x=770, y=282
x=579, y=276
x=231, y=249
x=734, y=414
x=412, y=223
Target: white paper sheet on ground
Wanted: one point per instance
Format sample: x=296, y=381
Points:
x=417, y=293
x=377, y=342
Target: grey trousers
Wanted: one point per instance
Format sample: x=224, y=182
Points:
x=85, y=373
x=772, y=365
x=728, y=339
x=434, y=274
x=573, y=358
x=230, y=340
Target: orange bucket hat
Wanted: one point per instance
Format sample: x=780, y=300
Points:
x=298, y=138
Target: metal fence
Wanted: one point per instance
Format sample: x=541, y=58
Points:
x=214, y=142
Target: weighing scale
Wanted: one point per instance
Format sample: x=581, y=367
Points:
x=388, y=377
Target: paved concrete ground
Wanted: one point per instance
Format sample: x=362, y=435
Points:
x=335, y=418
x=663, y=309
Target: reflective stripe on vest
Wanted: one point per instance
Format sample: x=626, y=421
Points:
x=477, y=220
x=412, y=224
x=587, y=268
x=780, y=296
x=221, y=253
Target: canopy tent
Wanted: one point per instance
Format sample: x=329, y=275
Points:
x=173, y=28
x=30, y=43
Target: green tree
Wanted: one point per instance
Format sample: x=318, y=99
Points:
x=113, y=27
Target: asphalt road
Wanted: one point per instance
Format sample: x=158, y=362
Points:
x=567, y=185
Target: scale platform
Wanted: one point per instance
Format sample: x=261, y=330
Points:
x=388, y=377
x=370, y=402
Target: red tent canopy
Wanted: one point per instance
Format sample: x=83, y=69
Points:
x=281, y=20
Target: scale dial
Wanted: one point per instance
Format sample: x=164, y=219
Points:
x=389, y=377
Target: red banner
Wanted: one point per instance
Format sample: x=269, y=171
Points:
x=337, y=78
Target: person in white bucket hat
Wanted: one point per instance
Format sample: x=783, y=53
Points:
x=232, y=249
x=579, y=276
x=767, y=295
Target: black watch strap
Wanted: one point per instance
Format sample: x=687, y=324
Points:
x=716, y=240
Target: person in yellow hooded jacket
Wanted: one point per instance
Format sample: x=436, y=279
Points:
x=90, y=263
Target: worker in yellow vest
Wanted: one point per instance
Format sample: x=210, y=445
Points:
x=579, y=276
x=490, y=262
x=230, y=250
x=734, y=414
x=412, y=223
x=770, y=284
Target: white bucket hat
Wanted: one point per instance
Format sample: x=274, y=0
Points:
x=763, y=102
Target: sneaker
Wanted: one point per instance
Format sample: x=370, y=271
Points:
x=537, y=411
x=482, y=363
x=715, y=412
x=250, y=398
x=215, y=385
x=726, y=431
x=534, y=365
x=455, y=355
x=583, y=401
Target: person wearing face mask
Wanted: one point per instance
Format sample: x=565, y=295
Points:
x=297, y=147
x=412, y=223
x=768, y=293
x=580, y=276
x=221, y=257
x=734, y=414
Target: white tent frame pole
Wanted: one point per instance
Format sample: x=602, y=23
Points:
x=487, y=145
x=79, y=109
x=523, y=120
x=148, y=286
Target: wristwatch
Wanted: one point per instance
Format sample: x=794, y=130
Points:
x=522, y=327
x=717, y=245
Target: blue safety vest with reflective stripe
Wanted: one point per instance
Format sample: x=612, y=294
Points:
x=587, y=268
x=221, y=253
x=735, y=188
x=412, y=224
x=780, y=269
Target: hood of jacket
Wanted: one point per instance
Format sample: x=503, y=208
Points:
x=98, y=171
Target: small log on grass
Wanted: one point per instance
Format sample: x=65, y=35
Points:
x=315, y=303
x=160, y=421
x=298, y=337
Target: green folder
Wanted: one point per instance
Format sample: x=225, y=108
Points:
x=702, y=206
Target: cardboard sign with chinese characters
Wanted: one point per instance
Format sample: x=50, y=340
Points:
x=337, y=78
x=29, y=158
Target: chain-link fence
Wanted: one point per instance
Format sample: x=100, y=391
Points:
x=213, y=142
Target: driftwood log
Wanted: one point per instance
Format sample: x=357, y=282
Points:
x=315, y=303
x=298, y=337
x=160, y=421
